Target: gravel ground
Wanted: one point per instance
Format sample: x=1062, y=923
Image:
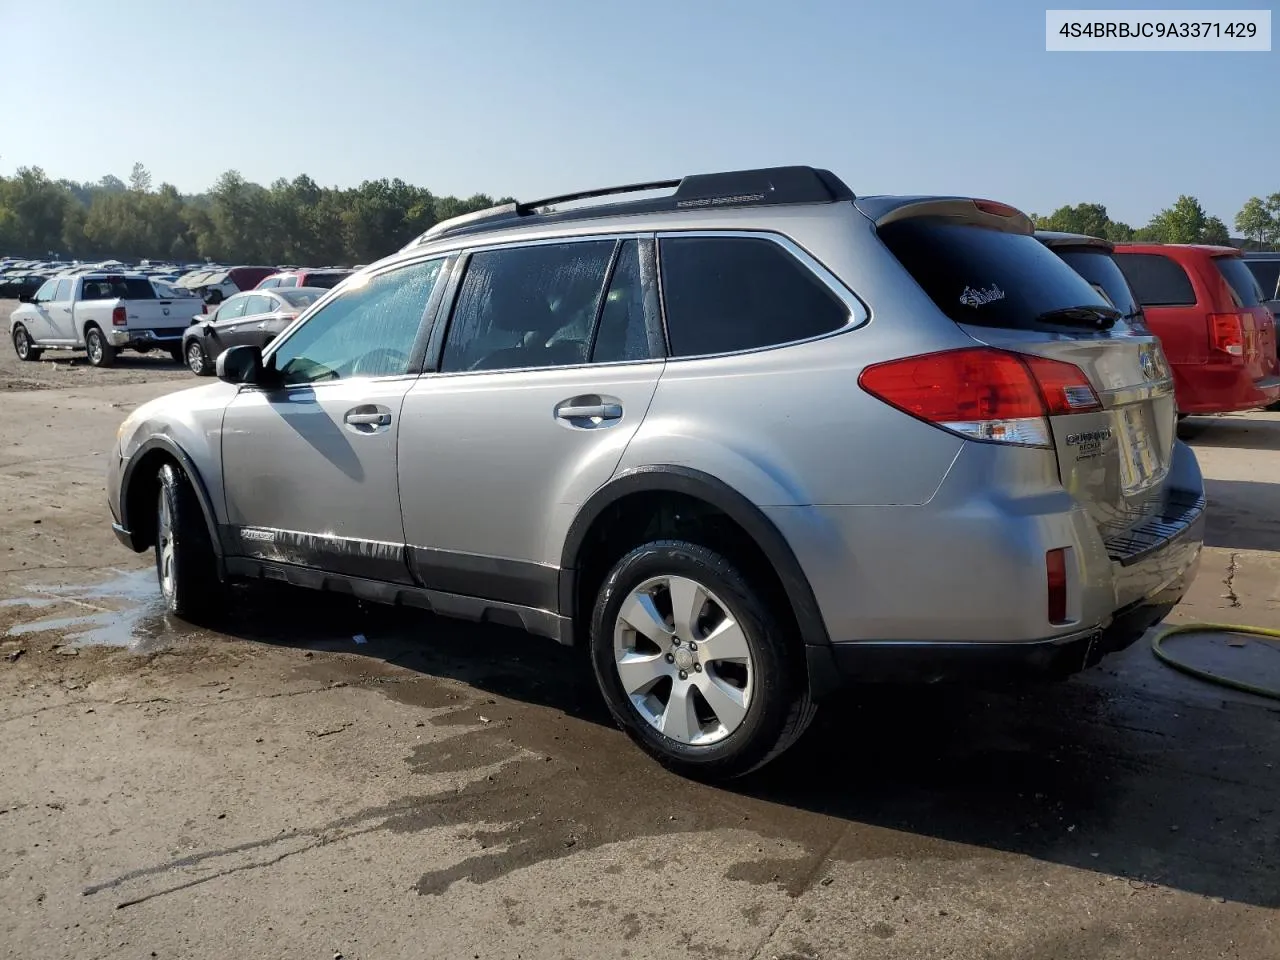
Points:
x=275, y=787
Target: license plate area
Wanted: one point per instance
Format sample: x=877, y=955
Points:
x=1140, y=464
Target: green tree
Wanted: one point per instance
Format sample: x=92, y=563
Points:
x=140, y=179
x=1255, y=221
x=1185, y=222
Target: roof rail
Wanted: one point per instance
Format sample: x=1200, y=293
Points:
x=768, y=186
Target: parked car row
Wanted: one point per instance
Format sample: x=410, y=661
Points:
x=745, y=443
x=105, y=308
x=1203, y=302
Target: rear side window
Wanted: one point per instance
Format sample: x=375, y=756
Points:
x=1267, y=273
x=1241, y=281
x=1097, y=267
x=1157, y=280
x=325, y=280
x=530, y=306
x=986, y=277
x=724, y=294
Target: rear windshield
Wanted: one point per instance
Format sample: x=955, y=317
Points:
x=325, y=280
x=298, y=298
x=125, y=288
x=978, y=275
x=1157, y=280
x=1242, y=283
x=1096, y=266
x=1267, y=273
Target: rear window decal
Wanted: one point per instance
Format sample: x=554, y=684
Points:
x=976, y=298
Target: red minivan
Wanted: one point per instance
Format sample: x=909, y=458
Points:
x=1206, y=308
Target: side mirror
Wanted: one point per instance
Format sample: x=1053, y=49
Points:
x=26, y=298
x=207, y=326
x=242, y=364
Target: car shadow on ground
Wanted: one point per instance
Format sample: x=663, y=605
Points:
x=1242, y=515
x=1244, y=433
x=1110, y=772
x=126, y=361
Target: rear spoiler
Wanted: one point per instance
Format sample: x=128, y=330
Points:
x=984, y=213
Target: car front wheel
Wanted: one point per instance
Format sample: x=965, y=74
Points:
x=23, y=345
x=694, y=664
x=185, y=562
x=197, y=359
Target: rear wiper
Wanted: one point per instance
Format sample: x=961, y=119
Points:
x=1093, y=317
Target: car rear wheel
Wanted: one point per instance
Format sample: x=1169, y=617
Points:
x=694, y=664
x=197, y=360
x=185, y=562
x=23, y=345
x=101, y=353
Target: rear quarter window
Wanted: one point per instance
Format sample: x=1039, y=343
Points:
x=987, y=277
x=726, y=294
x=1157, y=280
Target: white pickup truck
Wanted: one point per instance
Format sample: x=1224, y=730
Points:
x=101, y=313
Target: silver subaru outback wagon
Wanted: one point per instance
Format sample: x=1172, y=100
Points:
x=744, y=442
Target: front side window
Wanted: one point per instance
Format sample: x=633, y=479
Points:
x=1157, y=280
x=64, y=290
x=268, y=283
x=530, y=306
x=725, y=294
x=368, y=330
x=288, y=281
x=46, y=291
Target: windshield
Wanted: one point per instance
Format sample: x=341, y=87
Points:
x=1241, y=281
x=1096, y=266
x=990, y=278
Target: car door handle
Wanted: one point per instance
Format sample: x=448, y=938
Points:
x=601, y=411
x=367, y=419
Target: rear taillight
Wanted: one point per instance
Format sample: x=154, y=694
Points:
x=1055, y=564
x=984, y=393
x=1226, y=333
x=118, y=318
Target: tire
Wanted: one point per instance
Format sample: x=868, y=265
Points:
x=197, y=360
x=764, y=695
x=185, y=563
x=23, y=345
x=101, y=353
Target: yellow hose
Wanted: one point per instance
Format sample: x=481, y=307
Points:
x=1166, y=632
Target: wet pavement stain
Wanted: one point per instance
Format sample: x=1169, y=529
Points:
x=1091, y=773
x=124, y=611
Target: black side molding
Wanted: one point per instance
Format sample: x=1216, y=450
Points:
x=161, y=442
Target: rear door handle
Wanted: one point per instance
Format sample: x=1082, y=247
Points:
x=367, y=419
x=602, y=411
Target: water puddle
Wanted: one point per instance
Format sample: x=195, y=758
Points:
x=125, y=611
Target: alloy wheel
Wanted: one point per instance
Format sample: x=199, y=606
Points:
x=684, y=660
x=164, y=536
x=195, y=358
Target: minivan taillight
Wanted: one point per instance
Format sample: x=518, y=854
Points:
x=118, y=318
x=1226, y=333
x=984, y=393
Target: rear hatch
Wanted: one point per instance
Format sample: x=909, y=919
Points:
x=1258, y=325
x=1114, y=442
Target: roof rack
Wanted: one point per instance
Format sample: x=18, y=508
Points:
x=769, y=186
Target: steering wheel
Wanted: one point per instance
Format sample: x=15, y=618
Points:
x=377, y=362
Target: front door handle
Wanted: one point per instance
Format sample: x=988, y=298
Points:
x=598, y=411
x=367, y=419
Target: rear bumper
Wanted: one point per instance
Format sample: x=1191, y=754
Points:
x=907, y=662
x=1222, y=388
x=159, y=338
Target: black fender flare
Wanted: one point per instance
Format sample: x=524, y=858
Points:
x=168, y=445
x=675, y=478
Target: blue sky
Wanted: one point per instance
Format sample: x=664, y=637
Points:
x=539, y=97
